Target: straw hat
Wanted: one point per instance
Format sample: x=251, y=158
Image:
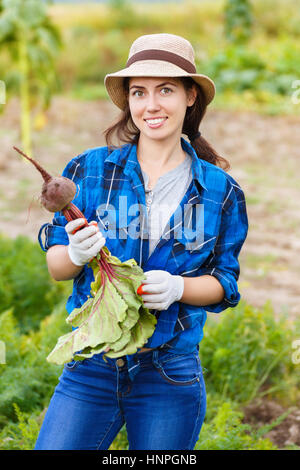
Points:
x=158, y=55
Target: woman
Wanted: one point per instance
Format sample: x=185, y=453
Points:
x=190, y=227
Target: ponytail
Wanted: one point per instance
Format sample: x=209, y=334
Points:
x=193, y=117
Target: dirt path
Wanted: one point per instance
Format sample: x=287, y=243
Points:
x=264, y=156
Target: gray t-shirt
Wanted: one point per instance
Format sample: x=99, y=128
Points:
x=164, y=198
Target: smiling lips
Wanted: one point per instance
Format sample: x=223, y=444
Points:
x=154, y=123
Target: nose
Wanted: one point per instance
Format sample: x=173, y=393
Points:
x=153, y=103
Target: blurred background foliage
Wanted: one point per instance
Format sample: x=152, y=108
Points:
x=250, y=48
x=29, y=43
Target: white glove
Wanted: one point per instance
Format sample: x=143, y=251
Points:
x=161, y=289
x=86, y=243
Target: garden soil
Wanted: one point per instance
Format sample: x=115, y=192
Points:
x=263, y=152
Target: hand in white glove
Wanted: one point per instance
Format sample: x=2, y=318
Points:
x=160, y=289
x=85, y=243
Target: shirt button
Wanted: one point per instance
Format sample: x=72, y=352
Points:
x=120, y=362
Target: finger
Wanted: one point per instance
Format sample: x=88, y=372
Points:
x=70, y=226
x=89, y=242
x=152, y=306
x=159, y=298
x=94, y=250
x=140, y=290
x=93, y=222
x=85, y=233
x=153, y=289
x=154, y=277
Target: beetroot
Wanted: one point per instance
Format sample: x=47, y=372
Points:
x=57, y=191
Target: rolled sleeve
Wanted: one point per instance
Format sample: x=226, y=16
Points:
x=54, y=233
x=223, y=262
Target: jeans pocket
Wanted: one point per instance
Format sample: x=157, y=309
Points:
x=181, y=370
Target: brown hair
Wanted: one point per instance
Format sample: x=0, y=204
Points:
x=127, y=132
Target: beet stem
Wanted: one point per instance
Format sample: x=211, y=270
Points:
x=106, y=269
x=46, y=176
x=103, y=279
x=110, y=269
x=75, y=212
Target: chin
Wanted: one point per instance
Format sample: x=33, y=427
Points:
x=158, y=136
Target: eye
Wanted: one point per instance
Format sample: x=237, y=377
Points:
x=166, y=91
x=137, y=93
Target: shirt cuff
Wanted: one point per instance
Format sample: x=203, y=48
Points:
x=229, y=284
x=53, y=235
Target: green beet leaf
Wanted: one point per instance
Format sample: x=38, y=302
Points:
x=113, y=319
x=142, y=330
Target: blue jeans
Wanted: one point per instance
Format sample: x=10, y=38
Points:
x=158, y=394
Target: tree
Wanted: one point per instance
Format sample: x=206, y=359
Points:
x=238, y=20
x=32, y=42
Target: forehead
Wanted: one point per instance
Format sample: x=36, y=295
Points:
x=152, y=81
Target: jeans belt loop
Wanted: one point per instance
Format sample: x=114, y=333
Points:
x=155, y=358
x=133, y=366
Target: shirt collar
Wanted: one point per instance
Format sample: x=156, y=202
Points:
x=126, y=157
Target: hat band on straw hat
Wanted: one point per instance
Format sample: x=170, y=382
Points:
x=156, y=54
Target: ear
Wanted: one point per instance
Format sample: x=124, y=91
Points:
x=191, y=96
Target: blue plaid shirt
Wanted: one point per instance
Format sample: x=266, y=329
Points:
x=111, y=190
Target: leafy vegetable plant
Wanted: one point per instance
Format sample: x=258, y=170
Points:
x=113, y=319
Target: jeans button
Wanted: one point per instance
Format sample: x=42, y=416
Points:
x=120, y=362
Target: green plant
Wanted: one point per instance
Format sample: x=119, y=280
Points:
x=121, y=441
x=28, y=429
x=236, y=67
x=32, y=41
x=226, y=431
x=122, y=13
x=27, y=379
x=247, y=353
x=25, y=284
x=238, y=20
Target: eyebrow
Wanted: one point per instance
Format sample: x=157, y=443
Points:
x=161, y=84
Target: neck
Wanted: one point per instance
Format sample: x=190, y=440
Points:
x=159, y=154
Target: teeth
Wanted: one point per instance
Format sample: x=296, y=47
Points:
x=155, y=121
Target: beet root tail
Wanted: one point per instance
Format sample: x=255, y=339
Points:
x=46, y=176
